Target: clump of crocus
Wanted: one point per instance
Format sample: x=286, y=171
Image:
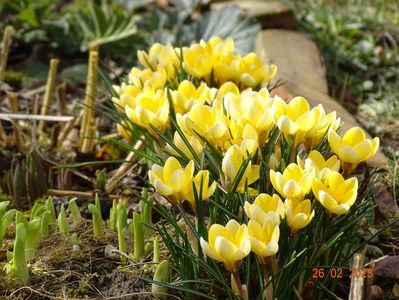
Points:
x=335, y=193
x=354, y=147
x=172, y=179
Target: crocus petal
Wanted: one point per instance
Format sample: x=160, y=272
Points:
x=208, y=251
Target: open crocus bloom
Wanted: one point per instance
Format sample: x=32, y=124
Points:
x=322, y=167
x=172, y=179
x=264, y=238
x=298, y=213
x=336, y=194
x=231, y=164
x=265, y=208
x=228, y=244
x=353, y=148
x=294, y=183
x=200, y=180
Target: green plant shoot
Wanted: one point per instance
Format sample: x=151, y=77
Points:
x=74, y=209
x=138, y=237
x=63, y=222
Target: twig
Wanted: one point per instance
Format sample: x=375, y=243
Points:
x=394, y=179
x=357, y=282
x=34, y=92
x=62, y=193
x=61, y=99
x=47, y=118
x=13, y=103
x=5, y=46
x=88, y=120
x=50, y=87
x=123, y=169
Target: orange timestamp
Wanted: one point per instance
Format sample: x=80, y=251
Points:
x=341, y=273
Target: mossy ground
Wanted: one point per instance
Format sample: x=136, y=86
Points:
x=57, y=271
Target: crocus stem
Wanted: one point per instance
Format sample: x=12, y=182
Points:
x=266, y=275
x=237, y=280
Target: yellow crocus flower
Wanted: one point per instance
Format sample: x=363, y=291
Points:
x=195, y=143
x=322, y=123
x=150, y=108
x=207, y=190
x=295, y=116
x=265, y=208
x=198, y=60
x=127, y=95
x=335, y=193
x=264, y=238
x=221, y=47
x=232, y=161
x=226, y=68
x=172, y=179
x=316, y=161
x=228, y=244
x=253, y=108
x=155, y=79
x=159, y=55
x=294, y=182
x=253, y=72
x=353, y=148
x=187, y=95
x=206, y=121
x=298, y=213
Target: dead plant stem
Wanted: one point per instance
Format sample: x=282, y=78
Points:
x=5, y=46
x=14, y=107
x=88, y=127
x=48, y=95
